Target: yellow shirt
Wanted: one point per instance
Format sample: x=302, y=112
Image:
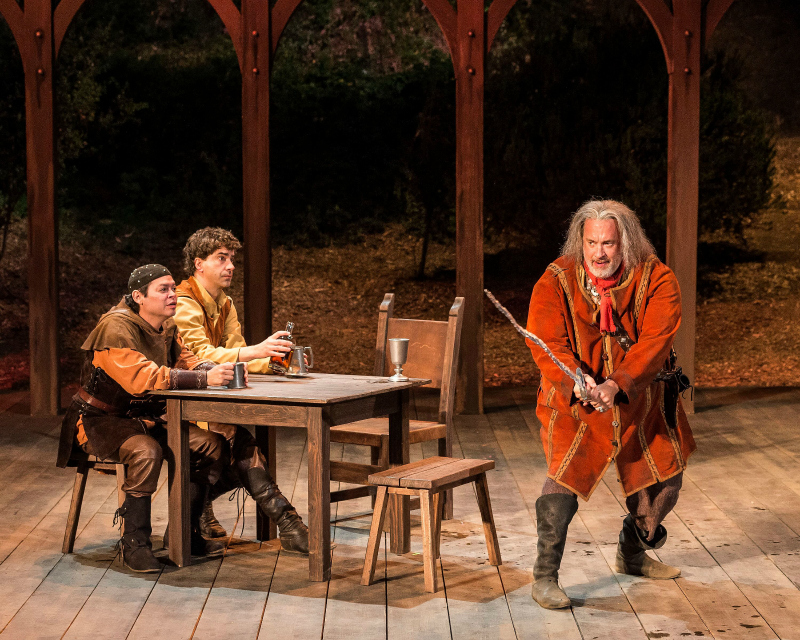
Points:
x=189, y=319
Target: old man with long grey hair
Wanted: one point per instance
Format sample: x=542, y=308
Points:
x=609, y=306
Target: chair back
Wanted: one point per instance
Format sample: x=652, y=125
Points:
x=433, y=349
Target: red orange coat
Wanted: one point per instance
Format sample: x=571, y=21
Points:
x=579, y=442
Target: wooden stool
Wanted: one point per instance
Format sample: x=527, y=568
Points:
x=83, y=465
x=428, y=478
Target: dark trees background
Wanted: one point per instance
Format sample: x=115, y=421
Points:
x=362, y=123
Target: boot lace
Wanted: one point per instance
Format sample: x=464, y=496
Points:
x=239, y=491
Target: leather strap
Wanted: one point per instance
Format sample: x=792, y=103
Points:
x=622, y=337
x=95, y=402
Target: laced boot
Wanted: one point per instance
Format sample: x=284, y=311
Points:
x=631, y=556
x=293, y=533
x=137, y=550
x=209, y=525
x=199, y=546
x=554, y=512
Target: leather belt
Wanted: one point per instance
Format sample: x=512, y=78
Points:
x=96, y=403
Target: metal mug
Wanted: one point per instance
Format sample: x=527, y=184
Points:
x=297, y=361
x=238, y=377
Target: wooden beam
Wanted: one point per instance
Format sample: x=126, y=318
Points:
x=281, y=13
x=10, y=10
x=257, y=54
x=469, y=72
x=62, y=18
x=683, y=167
x=715, y=9
x=43, y=303
x=232, y=20
x=661, y=18
x=498, y=11
x=445, y=16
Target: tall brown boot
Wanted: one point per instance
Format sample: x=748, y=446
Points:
x=554, y=512
x=631, y=556
x=293, y=533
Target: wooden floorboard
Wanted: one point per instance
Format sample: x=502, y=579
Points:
x=735, y=534
x=295, y=608
x=117, y=588
x=353, y=611
x=412, y=613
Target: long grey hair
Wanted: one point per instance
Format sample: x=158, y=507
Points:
x=635, y=245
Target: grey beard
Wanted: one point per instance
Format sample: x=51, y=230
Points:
x=608, y=271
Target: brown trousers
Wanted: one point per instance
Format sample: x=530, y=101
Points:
x=648, y=507
x=242, y=454
x=142, y=455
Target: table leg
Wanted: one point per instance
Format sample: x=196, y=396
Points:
x=178, y=482
x=265, y=439
x=319, y=495
x=400, y=532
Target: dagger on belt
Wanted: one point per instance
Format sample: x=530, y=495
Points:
x=576, y=377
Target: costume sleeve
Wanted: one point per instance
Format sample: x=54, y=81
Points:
x=189, y=361
x=138, y=375
x=547, y=320
x=233, y=331
x=189, y=318
x=660, y=318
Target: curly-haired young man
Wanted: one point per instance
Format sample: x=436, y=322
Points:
x=209, y=325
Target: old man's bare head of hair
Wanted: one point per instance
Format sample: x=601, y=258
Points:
x=633, y=241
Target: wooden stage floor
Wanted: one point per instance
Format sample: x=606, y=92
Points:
x=735, y=533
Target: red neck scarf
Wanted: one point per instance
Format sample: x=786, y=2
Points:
x=603, y=287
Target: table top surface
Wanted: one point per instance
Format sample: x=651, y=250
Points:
x=316, y=388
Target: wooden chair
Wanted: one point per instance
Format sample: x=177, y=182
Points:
x=432, y=353
x=83, y=466
x=429, y=478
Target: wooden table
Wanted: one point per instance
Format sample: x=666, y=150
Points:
x=315, y=403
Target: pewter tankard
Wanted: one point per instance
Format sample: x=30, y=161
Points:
x=238, y=377
x=297, y=361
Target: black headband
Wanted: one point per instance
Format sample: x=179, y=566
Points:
x=144, y=275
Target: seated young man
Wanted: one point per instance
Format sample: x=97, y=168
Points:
x=209, y=325
x=136, y=348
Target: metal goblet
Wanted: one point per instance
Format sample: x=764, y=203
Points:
x=398, y=352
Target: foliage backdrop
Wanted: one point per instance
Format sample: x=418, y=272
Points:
x=362, y=125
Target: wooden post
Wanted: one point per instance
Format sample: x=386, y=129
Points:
x=683, y=170
x=683, y=34
x=257, y=53
x=469, y=33
x=469, y=73
x=38, y=39
x=43, y=307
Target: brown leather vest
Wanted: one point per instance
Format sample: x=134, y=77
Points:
x=215, y=331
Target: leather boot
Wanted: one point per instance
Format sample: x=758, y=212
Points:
x=199, y=546
x=631, y=556
x=293, y=533
x=209, y=525
x=554, y=512
x=137, y=551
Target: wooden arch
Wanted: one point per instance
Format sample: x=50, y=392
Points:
x=255, y=30
x=469, y=31
x=683, y=33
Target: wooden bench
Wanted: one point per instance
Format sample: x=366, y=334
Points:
x=428, y=478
